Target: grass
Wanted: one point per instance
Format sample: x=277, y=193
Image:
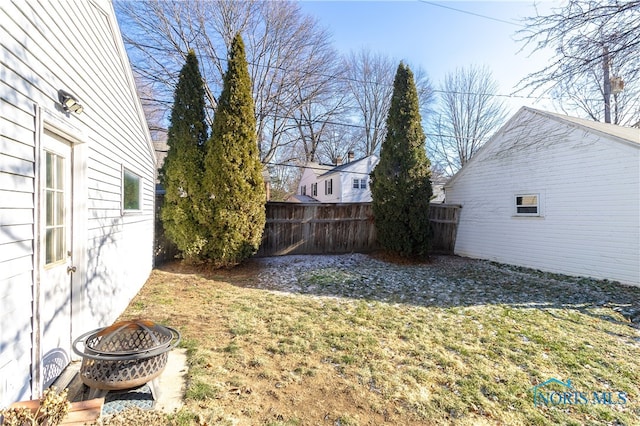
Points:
x=360, y=346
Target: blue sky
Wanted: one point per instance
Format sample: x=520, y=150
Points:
x=437, y=38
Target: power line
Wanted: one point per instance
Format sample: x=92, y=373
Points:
x=379, y=83
x=467, y=12
x=306, y=166
x=352, y=125
x=345, y=78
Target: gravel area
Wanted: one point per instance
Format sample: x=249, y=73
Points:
x=445, y=281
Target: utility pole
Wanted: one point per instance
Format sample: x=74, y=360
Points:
x=607, y=85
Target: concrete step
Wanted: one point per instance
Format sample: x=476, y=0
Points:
x=70, y=379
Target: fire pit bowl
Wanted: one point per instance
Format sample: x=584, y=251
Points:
x=124, y=355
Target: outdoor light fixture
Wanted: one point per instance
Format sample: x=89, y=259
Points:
x=69, y=102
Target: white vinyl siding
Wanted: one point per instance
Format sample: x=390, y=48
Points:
x=589, y=186
x=74, y=46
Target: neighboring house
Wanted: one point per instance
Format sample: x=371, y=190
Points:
x=437, y=185
x=77, y=173
x=161, y=147
x=342, y=183
x=554, y=193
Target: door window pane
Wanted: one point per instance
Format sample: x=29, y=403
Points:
x=49, y=172
x=59, y=173
x=48, y=208
x=48, y=251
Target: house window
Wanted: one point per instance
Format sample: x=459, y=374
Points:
x=314, y=189
x=131, y=191
x=356, y=183
x=527, y=205
x=303, y=190
x=328, y=187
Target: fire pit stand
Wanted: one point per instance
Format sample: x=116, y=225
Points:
x=125, y=355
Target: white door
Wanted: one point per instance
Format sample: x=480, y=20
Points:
x=55, y=252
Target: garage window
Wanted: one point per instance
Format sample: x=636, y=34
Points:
x=527, y=205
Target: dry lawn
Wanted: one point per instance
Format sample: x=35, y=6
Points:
x=365, y=340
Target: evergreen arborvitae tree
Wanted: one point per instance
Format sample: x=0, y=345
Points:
x=400, y=183
x=182, y=172
x=233, y=171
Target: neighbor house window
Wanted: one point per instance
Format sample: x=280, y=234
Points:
x=314, y=189
x=359, y=184
x=328, y=187
x=527, y=205
x=303, y=190
x=131, y=191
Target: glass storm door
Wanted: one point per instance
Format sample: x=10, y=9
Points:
x=55, y=252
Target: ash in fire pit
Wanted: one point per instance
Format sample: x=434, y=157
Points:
x=125, y=355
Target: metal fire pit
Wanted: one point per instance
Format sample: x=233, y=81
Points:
x=125, y=355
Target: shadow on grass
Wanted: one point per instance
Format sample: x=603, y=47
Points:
x=445, y=281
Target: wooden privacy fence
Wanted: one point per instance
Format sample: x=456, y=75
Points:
x=313, y=228
x=163, y=249
x=443, y=219
x=310, y=228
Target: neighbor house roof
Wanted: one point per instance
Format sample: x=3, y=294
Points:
x=298, y=198
x=317, y=168
x=348, y=166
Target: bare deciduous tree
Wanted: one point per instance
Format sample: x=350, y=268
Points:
x=319, y=105
x=279, y=40
x=370, y=78
x=370, y=82
x=156, y=120
x=337, y=143
x=467, y=115
x=594, y=41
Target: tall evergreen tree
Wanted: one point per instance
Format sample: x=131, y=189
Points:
x=233, y=171
x=400, y=183
x=182, y=172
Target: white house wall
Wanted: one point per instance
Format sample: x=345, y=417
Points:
x=352, y=195
x=75, y=46
x=336, y=188
x=589, y=190
x=310, y=176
